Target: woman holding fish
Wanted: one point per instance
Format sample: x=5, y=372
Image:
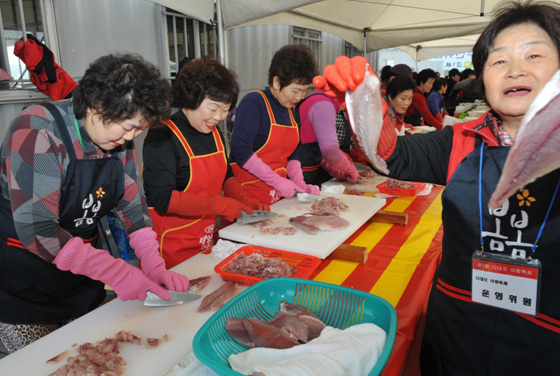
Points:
x=266, y=135
x=185, y=164
x=494, y=306
x=64, y=165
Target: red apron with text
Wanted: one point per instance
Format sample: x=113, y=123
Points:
x=281, y=143
x=183, y=237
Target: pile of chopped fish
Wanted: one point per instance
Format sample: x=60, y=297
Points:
x=256, y=265
x=328, y=206
x=291, y=325
x=103, y=357
x=393, y=183
x=367, y=174
x=272, y=227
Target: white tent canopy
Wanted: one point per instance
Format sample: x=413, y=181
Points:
x=447, y=46
x=377, y=24
x=424, y=29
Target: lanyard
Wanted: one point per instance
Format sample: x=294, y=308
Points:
x=534, y=248
x=78, y=131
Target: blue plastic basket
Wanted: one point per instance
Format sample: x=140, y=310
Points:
x=336, y=306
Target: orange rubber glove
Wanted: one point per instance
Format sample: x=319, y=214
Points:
x=189, y=205
x=344, y=74
x=234, y=189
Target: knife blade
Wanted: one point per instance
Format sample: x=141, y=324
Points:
x=177, y=297
x=255, y=216
x=307, y=197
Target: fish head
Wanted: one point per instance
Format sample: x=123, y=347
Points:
x=535, y=150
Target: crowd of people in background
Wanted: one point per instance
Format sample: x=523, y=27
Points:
x=434, y=96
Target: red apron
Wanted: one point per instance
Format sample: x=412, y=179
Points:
x=183, y=237
x=281, y=143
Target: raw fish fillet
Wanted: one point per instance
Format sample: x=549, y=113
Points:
x=365, y=110
x=235, y=327
x=326, y=222
x=295, y=309
x=535, y=151
x=299, y=223
x=198, y=284
x=218, y=297
x=264, y=334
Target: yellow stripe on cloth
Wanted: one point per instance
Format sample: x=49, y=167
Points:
x=391, y=285
x=337, y=271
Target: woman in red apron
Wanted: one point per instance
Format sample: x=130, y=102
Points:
x=185, y=164
x=494, y=309
x=265, y=135
x=63, y=166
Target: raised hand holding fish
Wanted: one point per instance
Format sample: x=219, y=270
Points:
x=365, y=109
x=364, y=104
x=535, y=150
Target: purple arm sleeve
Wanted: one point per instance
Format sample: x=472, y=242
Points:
x=323, y=117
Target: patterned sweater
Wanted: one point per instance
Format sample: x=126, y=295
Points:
x=33, y=164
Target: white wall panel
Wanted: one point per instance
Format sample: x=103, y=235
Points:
x=88, y=29
x=250, y=50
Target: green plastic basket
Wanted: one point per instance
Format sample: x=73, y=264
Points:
x=336, y=306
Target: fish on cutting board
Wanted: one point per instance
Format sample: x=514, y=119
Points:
x=198, y=284
x=534, y=152
x=365, y=110
x=216, y=299
x=299, y=223
x=326, y=222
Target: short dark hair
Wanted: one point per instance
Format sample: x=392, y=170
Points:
x=121, y=86
x=205, y=77
x=424, y=75
x=399, y=84
x=439, y=83
x=385, y=73
x=545, y=15
x=454, y=72
x=293, y=63
x=467, y=73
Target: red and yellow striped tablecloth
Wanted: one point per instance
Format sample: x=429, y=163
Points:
x=400, y=266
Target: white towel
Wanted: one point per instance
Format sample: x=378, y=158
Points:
x=353, y=351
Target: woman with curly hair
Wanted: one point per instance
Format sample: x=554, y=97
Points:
x=63, y=166
x=265, y=133
x=185, y=164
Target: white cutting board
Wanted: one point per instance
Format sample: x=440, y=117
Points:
x=322, y=244
x=368, y=184
x=180, y=323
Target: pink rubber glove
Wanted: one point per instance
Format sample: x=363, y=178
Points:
x=146, y=248
x=261, y=170
x=343, y=169
x=128, y=281
x=295, y=173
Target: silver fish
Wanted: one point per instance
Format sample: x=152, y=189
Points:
x=535, y=151
x=366, y=118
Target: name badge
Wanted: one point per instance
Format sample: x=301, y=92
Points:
x=505, y=282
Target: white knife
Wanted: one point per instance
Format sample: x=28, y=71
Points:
x=177, y=297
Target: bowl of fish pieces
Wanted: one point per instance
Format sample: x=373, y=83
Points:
x=290, y=325
x=251, y=264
